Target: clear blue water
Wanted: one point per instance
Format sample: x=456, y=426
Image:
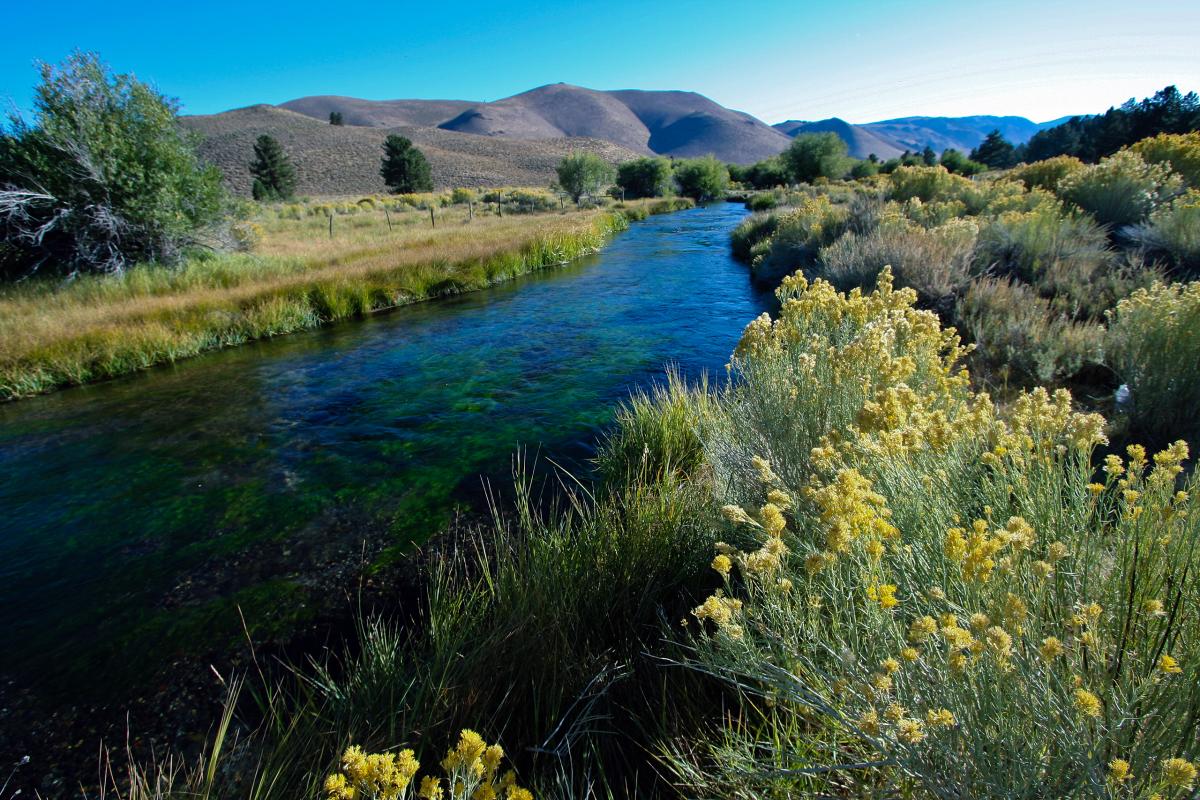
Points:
x=138, y=514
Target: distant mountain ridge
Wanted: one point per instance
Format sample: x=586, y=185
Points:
x=889, y=138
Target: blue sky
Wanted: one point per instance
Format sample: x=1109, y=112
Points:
x=862, y=60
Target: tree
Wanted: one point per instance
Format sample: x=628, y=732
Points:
x=274, y=176
x=645, y=177
x=954, y=161
x=995, y=151
x=928, y=156
x=702, y=179
x=404, y=167
x=817, y=155
x=582, y=173
x=102, y=178
x=864, y=169
x=335, y=118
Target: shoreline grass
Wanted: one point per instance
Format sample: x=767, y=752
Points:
x=54, y=335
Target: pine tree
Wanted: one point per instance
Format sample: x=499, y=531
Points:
x=404, y=167
x=274, y=176
x=335, y=118
x=928, y=156
x=995, y=151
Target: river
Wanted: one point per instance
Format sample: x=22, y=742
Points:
x=138, y=515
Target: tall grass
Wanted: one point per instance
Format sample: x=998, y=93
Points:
x=54, y=334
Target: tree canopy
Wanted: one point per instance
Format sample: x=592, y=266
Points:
x=103, y=177
x=702, y=179
x=817, y=155
x=645, y=177
x=404, y=168
x=582, y=173
x=995, y=152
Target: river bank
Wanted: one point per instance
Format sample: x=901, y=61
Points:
x=298, y=277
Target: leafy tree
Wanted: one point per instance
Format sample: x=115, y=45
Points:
x=816, y=155
x=702, y=179
x=645, y=177
x=335, y=118
x=766, y=174
x=102, y=178
x=954, y=161
x=404, y=167
x=864, y=169
x=274, y=176
x=584, y=173
x=928, y=156
x=995, y=152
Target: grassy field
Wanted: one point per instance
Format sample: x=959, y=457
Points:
x=295, y=276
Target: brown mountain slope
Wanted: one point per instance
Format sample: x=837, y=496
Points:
x=861, y=141
x=343, y=160
x=379, y=113
x=672, y=123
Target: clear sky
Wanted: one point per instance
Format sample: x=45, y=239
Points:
x=861, y=60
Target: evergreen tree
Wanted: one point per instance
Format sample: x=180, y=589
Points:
x=274, y=176
x=928, y=156
x=404, y=167
x=995, y=151
x=335, y=118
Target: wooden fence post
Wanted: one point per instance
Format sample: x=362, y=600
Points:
x=432, y=221
x=389, y=217
x=330, y=224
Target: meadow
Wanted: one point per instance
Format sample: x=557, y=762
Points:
x=301, y=265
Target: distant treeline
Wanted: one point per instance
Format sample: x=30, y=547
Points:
x=825, y=155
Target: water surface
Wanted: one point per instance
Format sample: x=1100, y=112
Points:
x=137, y=515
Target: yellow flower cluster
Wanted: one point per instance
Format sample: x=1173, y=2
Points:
x=472, y=769
x=722, y=611
x=851, y=511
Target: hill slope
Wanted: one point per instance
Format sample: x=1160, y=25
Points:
x=682, y=124
x=861, y=140
x=342, y=160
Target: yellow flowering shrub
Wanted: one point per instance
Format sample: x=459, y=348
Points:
x=471, y=767
x=961, y=582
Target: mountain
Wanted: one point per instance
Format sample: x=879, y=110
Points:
x=890, y=137
x=344, y=159
x=682, y=124
x=861, y=140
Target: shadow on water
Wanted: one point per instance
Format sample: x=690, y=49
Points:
x=138, y=515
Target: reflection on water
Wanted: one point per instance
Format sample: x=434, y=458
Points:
x=137, y=514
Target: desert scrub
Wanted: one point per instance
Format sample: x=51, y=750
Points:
x=1153, y=344
x=1031, y=244
x=936, y=262
x=1180, y=152
x=942, y=597
x=1121, y=190
x=1047, y=174
x=927, y=184
x=1018, y=334
x=752, y=236
x=1172, y=233
x=799, y=233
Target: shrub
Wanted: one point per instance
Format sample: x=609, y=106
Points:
x=702, y=179
x=459, y=196
x=1121, y=190
x=105, y=177
x=954, y=161
x=1153, y=345
x=1028, y=243
x=799, y=233
x=816, y=155
x=769, y=173
x=645, y=177
x=753, y=231
x=1047, y=174
x=1173, y=232
x=583, y=173
x=925, y=184
x=937, y=263
x=763, y=201
x=923, y=567
x=930, y=215
x=1179, y=152
x=864, y=169
x=1016, y=331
